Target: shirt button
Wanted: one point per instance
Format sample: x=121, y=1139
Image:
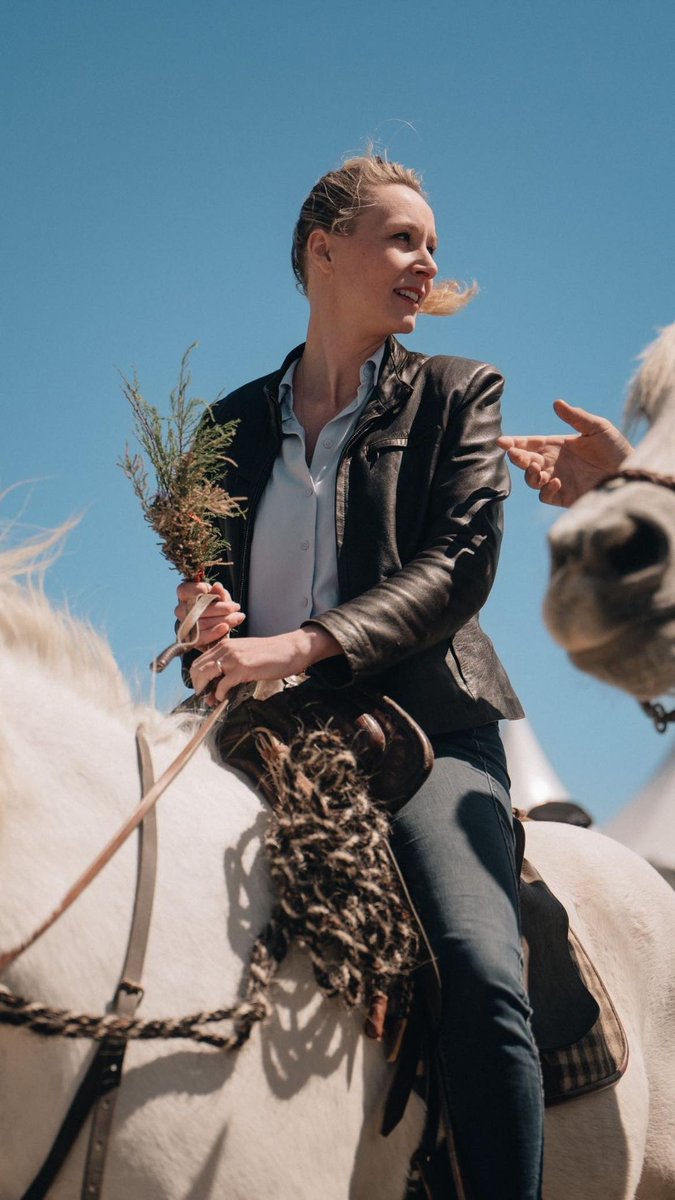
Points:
x=304, y=545
x=309, y=491
x=305, y=602
x=328, y=443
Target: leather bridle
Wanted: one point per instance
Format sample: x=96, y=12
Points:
x=639, y=475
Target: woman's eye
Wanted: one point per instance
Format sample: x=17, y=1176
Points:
x=404, y=235
x=431, y=250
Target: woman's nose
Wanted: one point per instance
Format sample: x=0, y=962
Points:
x=427, y=264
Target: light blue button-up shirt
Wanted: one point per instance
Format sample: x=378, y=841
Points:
x=293, y=570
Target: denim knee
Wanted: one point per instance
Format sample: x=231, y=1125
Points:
x=484, y=993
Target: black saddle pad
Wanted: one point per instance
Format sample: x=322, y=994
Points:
x=563, y=1009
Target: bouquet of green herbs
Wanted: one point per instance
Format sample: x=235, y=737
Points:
x=187, y=451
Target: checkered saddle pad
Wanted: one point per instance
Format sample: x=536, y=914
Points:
x=600, y=1056
x=582, y=1045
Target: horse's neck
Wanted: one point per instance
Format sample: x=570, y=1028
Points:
x=69, y=779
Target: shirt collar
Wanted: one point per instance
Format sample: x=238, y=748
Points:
x=368, y=374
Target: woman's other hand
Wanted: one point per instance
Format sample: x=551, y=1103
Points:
x=218, y=620
x=562, y=467
x=248, y=660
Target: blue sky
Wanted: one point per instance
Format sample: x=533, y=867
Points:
x=155, y=155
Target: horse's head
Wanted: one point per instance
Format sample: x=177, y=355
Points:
x=611, y=598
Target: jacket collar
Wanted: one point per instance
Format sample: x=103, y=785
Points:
x=397, y=368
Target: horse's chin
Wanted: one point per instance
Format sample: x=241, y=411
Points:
x=639, y=658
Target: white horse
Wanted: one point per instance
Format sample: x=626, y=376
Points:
x=295, y=1114
x=611, y=598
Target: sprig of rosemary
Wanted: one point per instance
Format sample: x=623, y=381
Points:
x=187, y=451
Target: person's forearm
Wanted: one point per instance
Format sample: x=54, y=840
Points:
x=315, y=644
x=425, y=602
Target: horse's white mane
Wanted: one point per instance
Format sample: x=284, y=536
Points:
x=59, y=641
x=653, y=385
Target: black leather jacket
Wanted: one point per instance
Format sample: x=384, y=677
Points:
x=418, y=519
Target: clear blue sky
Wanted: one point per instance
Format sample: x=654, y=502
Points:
x=155, y=154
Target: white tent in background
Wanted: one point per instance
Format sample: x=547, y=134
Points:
x=647, y=824
x=533, y=780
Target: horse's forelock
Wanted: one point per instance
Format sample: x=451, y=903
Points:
x=30, y=558
x=652, y=387
x=61, y=643
x=29, y=623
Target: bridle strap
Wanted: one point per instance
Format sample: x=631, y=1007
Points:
x=97, y=1092
x=639, y=475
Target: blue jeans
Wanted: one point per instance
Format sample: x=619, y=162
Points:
x=454, y=842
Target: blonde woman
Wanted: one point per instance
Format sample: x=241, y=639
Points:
x=374, y=485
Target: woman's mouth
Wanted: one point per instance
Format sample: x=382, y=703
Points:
x=410, y=294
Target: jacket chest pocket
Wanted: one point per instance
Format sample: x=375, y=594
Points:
x=376, y=451
x=397, y=463
x=386, y=499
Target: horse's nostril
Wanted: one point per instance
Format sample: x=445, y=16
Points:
x=563, y=552
x=565, y=549
x=629, y=546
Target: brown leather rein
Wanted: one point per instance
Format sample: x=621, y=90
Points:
x=656, y=712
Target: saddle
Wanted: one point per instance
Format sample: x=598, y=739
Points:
x=389, y=747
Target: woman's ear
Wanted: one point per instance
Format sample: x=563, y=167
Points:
x=318, y=251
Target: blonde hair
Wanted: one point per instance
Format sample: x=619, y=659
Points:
x=335, y=203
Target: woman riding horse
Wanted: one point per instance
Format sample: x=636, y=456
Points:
x=374, y=485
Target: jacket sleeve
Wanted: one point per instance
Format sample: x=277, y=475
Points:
x=449, y=579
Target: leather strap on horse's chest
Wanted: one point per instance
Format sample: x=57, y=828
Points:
x=97, y=1092
x=102, y=1076
x=129, y=992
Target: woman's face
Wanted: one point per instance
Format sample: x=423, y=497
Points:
x=382, y=271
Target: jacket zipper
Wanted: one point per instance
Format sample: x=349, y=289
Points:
x=356, y=437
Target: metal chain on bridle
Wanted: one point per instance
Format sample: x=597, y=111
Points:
x=656, y=712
